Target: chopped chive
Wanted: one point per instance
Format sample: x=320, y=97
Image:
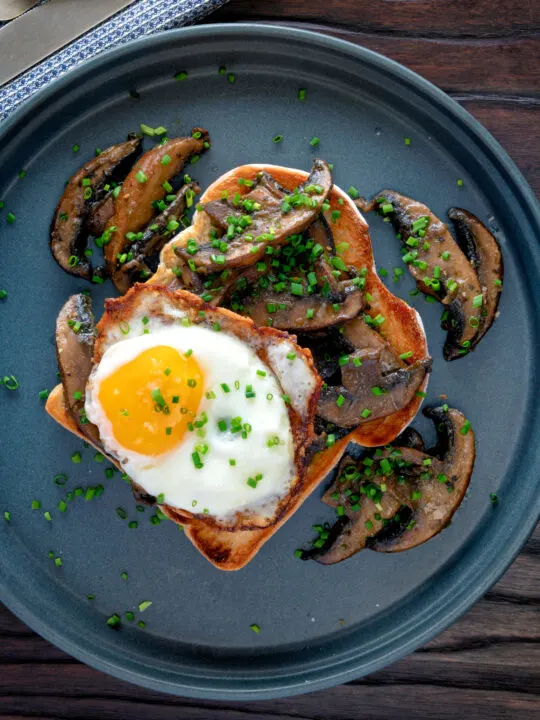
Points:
x=76, y=148
x=465, y=427
x=58, y=561
x=36, y=504
x=10, y=218
x=460, y=182
x=494, y=498
x=122, y=514
x=114, y=621
x=256, y=629
x=478, y=301
x=365, y=413
x=76, y=458
x=141, y=177
x=47, y=516
x=43, y=394
x=277, y=138
x=302, y=94
x=314, y=141
x=407, y=140
x=406, y=355
x=3, y=294
x=144, y=605
x=182, y=75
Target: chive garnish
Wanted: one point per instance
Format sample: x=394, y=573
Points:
x=144, y=605
x=256, y=629
x=182, y=75
x=277, y=138
x=113, y=621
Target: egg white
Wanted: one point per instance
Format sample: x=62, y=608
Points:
x=217, y=488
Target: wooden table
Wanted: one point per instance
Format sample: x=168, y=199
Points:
x=484, y=53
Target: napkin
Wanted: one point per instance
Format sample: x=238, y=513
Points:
x=143, y=17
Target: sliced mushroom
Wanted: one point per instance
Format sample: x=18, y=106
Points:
x=439, y=266
x=484, y=254
x=396, y=498
x=308, y=313
x=134, y=206
x=361, y=515
x=434, y=494
x=154, y=237
x=261, y=218
x=86, y=187
x=75, y=335
x=100, y=214
x=368, y=392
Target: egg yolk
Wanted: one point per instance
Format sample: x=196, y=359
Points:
x=150, y=400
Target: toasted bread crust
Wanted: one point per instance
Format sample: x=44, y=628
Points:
x=154, y=299
x=231, y=549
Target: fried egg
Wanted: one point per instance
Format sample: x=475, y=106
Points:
x=196, y=415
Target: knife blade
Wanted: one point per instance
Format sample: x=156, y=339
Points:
x=39, y=33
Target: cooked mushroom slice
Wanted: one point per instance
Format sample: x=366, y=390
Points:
x=439, y=266
x=396, y=498
x=362, y=509
x=435, y=482
x=142, y=188
x=74, y=349
x=410, y=438
x=484, y=254
x=100, y=214
x=83, y=189
x=260, y=218
x=307, y=313
x=367, y=392
x=134, y=266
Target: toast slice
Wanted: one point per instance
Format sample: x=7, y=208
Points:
x=403, y=326
x=233, y=549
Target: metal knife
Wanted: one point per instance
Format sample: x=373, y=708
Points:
x=39, y=33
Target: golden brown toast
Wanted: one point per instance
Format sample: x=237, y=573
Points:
x=233, y=549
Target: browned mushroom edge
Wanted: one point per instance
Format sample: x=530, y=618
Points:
x=397, y=497
x=84, y=192
x=439, y=267
x=147, y=189
x=75, y=335
x=243, y=227
x=364, y=377
x=484, y=253
x=141, y=260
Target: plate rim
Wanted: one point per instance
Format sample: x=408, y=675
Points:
x=329, y=676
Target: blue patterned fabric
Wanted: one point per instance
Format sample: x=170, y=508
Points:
x=143, y=17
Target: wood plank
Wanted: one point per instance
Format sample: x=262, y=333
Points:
x=413, y=18
x=507, y=66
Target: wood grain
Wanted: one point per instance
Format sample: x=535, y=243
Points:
x=485, y=53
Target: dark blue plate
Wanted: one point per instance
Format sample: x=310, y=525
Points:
x=318, y=626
